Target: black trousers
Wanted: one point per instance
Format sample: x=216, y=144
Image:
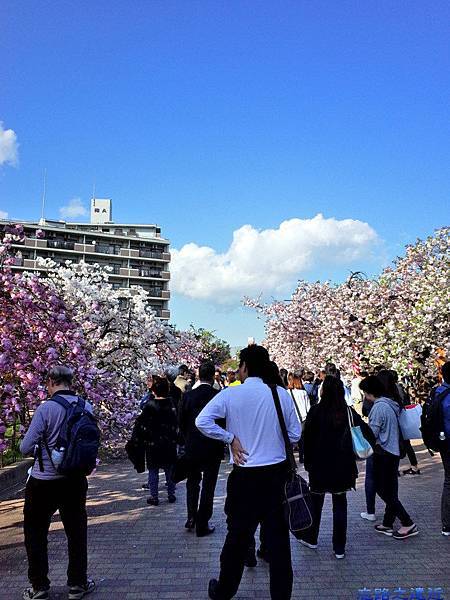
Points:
x=410, y=453
x=255, y=495
x=339, y=521
x=42, y=499
x=385, y=470
x=207, y=476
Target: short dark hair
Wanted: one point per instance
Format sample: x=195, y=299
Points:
x=160, y=386
x=372, y=385
x=446, y=371
x=61, y=375
x=330, y=369
x=182, y=369
x=390, y=387
x=206, y=371
x=256, y=359
x=309, y=376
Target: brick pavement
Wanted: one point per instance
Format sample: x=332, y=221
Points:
x=140, y=552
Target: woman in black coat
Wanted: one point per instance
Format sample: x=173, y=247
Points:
x=155, y=438
x=330, y=460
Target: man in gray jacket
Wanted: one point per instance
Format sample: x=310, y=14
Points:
x=47, y=491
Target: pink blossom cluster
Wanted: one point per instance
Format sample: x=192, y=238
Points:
x=399, y=319
x=73, y=316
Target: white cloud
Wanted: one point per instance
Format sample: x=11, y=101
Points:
x=73, y=209
x=269, y=261
x=8, y=146
x=3, y=214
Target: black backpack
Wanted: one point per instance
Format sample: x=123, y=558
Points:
x=79, y=436
x=432, y=420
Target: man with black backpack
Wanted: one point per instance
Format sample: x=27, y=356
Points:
x=436, y=436
x=63, y=437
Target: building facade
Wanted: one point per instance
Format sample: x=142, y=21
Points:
x=137, y=254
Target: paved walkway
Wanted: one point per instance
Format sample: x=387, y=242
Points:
x=140, y=552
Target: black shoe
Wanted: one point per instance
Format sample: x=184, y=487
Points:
x=145, y=486
x=76, y=592
x=32, y=594
x=262, y=554
x=190, y=524
x=152, y=501
x=212, y=589
x=205, y=531
x=250, y=560
x=172, y=498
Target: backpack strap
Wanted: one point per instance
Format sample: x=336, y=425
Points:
x=61, y=401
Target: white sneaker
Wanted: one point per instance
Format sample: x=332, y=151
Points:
x=340, y=556
x=312, y=546
x=446, y=532
x=368, y=516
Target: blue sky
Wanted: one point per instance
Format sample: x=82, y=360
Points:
x=208, y=116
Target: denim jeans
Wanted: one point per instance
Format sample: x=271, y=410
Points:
x=445, y=502
x=153, y=481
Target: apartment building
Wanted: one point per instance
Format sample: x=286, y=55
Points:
x=137, y=254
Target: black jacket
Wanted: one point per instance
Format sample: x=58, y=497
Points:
x=154, y=437
x=198, y=447
x=329, y=457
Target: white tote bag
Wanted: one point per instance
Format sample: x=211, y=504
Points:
x=409, y=421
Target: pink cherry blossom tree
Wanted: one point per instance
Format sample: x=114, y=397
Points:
x=399, y=319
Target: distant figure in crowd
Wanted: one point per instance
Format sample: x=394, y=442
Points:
x=404, y=401
x=330, y=460
x=154, y=440
x=301, y=403
x=203, y=454
x=182, y=379
x=231, y=378
x=47, y=491
x=356, y=393
x=146, y=397
x=255, y=485
x=218, y=381
x=284, y=377
x=383, y=420
x=442, y=393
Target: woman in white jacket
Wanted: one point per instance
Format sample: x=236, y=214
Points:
x=302, y=404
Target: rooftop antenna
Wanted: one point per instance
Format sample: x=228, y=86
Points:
x=93, y=191
x=44, y=191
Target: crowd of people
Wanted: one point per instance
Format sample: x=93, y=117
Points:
x=188, y=421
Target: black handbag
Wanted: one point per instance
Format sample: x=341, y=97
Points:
x=298, y=503
x=181, y=468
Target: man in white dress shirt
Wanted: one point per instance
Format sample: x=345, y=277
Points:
x=255, y=489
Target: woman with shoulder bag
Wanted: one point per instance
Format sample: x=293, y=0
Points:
x=383, y=420
x=330, y=460
x=301, y=402
x=155, y=431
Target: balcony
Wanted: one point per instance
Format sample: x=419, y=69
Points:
x=35, y=243
x=104, y=249
x=165, y=314
x=150, y=254
x=61, y=244
x=129, y=272
x=165, y=275
x=129, y=253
